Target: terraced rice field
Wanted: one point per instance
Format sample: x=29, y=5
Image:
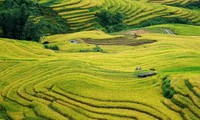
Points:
x=37, y=83
x=80, y=14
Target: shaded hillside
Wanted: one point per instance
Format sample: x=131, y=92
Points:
x=78, y=15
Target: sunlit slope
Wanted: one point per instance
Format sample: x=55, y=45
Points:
x=14, y=49
x=80, y=14
x=40, y=83
x=187, y=98
x=63, y=41
x=179, y=29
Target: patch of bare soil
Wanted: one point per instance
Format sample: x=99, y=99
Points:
x=119, y=41
x=133, y=32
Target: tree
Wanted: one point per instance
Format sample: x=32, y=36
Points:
x=111, y=21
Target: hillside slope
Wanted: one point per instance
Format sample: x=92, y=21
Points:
x=178, y=29
x=80, y=14
x=37, y=83
x=66, y=16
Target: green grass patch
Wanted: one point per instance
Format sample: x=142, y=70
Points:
x=183, y=69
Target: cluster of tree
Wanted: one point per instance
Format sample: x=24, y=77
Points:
x=17, y=21
x=111, y=21
x=189, y=5
x=162, y=20
x=193, y=5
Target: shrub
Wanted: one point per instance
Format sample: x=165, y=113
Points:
x=168, y=91
x=53, y=47
x=95, y=49
x=187, y=83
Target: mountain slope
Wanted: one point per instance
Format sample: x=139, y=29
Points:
x=80, y=14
